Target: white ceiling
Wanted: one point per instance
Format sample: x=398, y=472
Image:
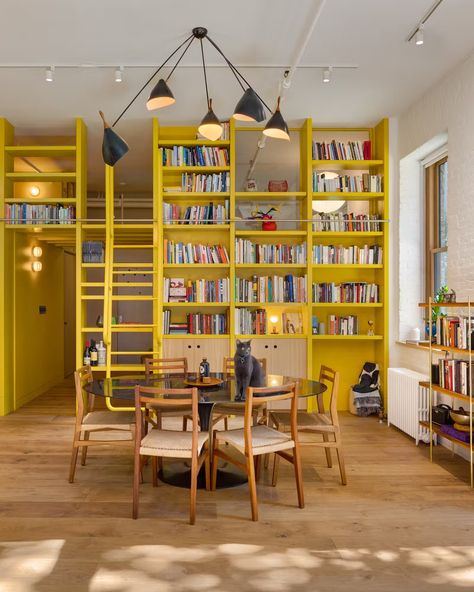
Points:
x=368, y=33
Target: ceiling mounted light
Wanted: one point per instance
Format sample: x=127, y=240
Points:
x=119, y=74
x=34, y=191
x=276, y=126
x=161, y=96
x=37, y=251
x=36, y=266
x=419, y=37
x=49, y=76
x=251, y=107
x=327, y=74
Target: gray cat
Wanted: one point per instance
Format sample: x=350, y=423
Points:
x=248, y=371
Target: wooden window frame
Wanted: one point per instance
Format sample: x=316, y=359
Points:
x=432, y=245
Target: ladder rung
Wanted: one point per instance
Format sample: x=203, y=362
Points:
x=140, y=271
x=133, y=328
x=92, y=284
x=92, y=297
x=137, y=265
x=132, y=284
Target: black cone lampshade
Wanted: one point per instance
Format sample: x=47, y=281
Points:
x=210, y=126
x=276, y=126
x=160, y=96
x=250, y=107
x=113, y=146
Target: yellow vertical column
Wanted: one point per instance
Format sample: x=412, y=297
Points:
x=109, y=264
x=157, y=277
x=6, y=276
x=232, y=150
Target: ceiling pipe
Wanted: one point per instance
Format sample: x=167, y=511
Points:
x=285, y=82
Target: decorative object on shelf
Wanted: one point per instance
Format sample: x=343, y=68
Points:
x=274, y=320
x=460, y=416
x=251, y=185
x=267, y=219
x=450, y=296
x=278, y=185
x=441, y=414
x=293, y=323
x=439, y=298
x=251, y=107
x=99, y=321
x=370, y=330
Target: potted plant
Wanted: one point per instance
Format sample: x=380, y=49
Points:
x=439, y=297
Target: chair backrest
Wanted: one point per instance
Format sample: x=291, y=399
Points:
x=83, y=376
x=146, y=397
x=330, y=378
x=166, y=366
x=229, y=369
x=255, y=397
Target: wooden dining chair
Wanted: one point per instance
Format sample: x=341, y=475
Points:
x=225, y=411
x=171, y=367
x=159, y=443
x=318, y=422
x=253, y=441
x=89, y=421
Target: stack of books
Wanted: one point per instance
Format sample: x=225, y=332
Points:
x=250, y=322
x=196, y=324
x=25, y=213
x=195, y=156
x=455, y=331
x=330, y=254
x=177, y=290
x=248, y=252
x=209, y=214
x=359, y=150
x=454, y=375
x=343, y=325
x=217, y=182
x=189, y=253
x=346, y=222
x=347, y=183
x=275, y=288
x=350, y=292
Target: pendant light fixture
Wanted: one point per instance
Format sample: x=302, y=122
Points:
x=251, y=107
x=276, y=126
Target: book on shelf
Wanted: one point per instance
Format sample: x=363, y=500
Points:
x=195, y=156
x=454, y=375
x=196, y=324
x=68, y=189
x=225, y=132
x=187, y=253
x=198, y=291
x=261, y=289
x=196, y=214
x=346, y=325
x=92, y=252
x=352, y=255
x=346, y=292
x=455, y=331
x=250, y=322
x=25, y=213
x=347, y=183
x=349, y=222
x=314, y=325
x=355, y=150
x=202, y=183
x=248, y=252
x=292, y=323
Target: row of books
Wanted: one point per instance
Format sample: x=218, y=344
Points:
x=454, y=331
x=39, y=214
x=348, y=325
x=177, y=252
x=453, y=375
x=195, y=156
x=217, y=182
x=350, y=292
x=346, y=183
x=177, y=290
x=250, y=322
x=196, y=324
x=331, y=254
x=346, y=222
x=275, y=288
x=199, y=214
x=358, y=150
x=92, y=252
x=248, y=252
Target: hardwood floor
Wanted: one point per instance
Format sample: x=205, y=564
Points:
x=401, y=523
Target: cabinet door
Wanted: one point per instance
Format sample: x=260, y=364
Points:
x=175, y=348
x=214, y=349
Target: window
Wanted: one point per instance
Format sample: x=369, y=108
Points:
x=436, y=230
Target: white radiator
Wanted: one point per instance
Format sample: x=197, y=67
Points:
x=407, y=402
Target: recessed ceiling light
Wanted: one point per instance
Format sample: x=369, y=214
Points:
x=419, y=40
x=49, y=74
x=119, y=74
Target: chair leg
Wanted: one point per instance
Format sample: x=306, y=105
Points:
x=340, y=460
x=154, y=471
x=185, y=423
x=327, y=451
x=298, y=475
x=258, y=465
x=136, y=480
x=194, y=476
x=84, y=449
x=226, y=423
x=252, y=487
x=207, y=468
x=72, y=470
x=214, y=463
x=276, y=467
x=266, y=461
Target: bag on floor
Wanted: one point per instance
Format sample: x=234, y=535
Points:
x=365, y=396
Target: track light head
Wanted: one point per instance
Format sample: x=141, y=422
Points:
x=119, y=74
x=327, y=74
x=49, y=76
x=419, y=37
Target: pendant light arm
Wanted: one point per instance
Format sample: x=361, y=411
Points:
x=205, y=74
x=180, y=58
x=236, y=72
x=191, y=37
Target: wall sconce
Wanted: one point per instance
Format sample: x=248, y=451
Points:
x=34, y=191
x=36, y=266
x=37, y=251
x=274, y=320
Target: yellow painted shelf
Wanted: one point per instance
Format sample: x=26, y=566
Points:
x=191, y=195
x=347, y=195
x=93, y=226
x=346, y=164
x=92, y=284
x=93, y=265
x=92, y=297
x=269, y=195
x=195, y=304
x=342, y=234
x=40, y=227
x=347, y=265
x=48, y=151
x=193, y=336
x=274, y=336
x=195, y=169
x=132, y=284
x=349, y=337
x=133, y=328
x=92, y=330
x=268, y=304
x=270, y=265
x=131, y=297
x=348, y=304
x=34, y=176
x=184, y=265
x=184, y=142
x=271, y=233
x=198, y=227
x=41, y=201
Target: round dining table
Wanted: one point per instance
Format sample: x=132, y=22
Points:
x=121, y=390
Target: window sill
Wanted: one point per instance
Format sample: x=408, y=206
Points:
x=414, y=345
